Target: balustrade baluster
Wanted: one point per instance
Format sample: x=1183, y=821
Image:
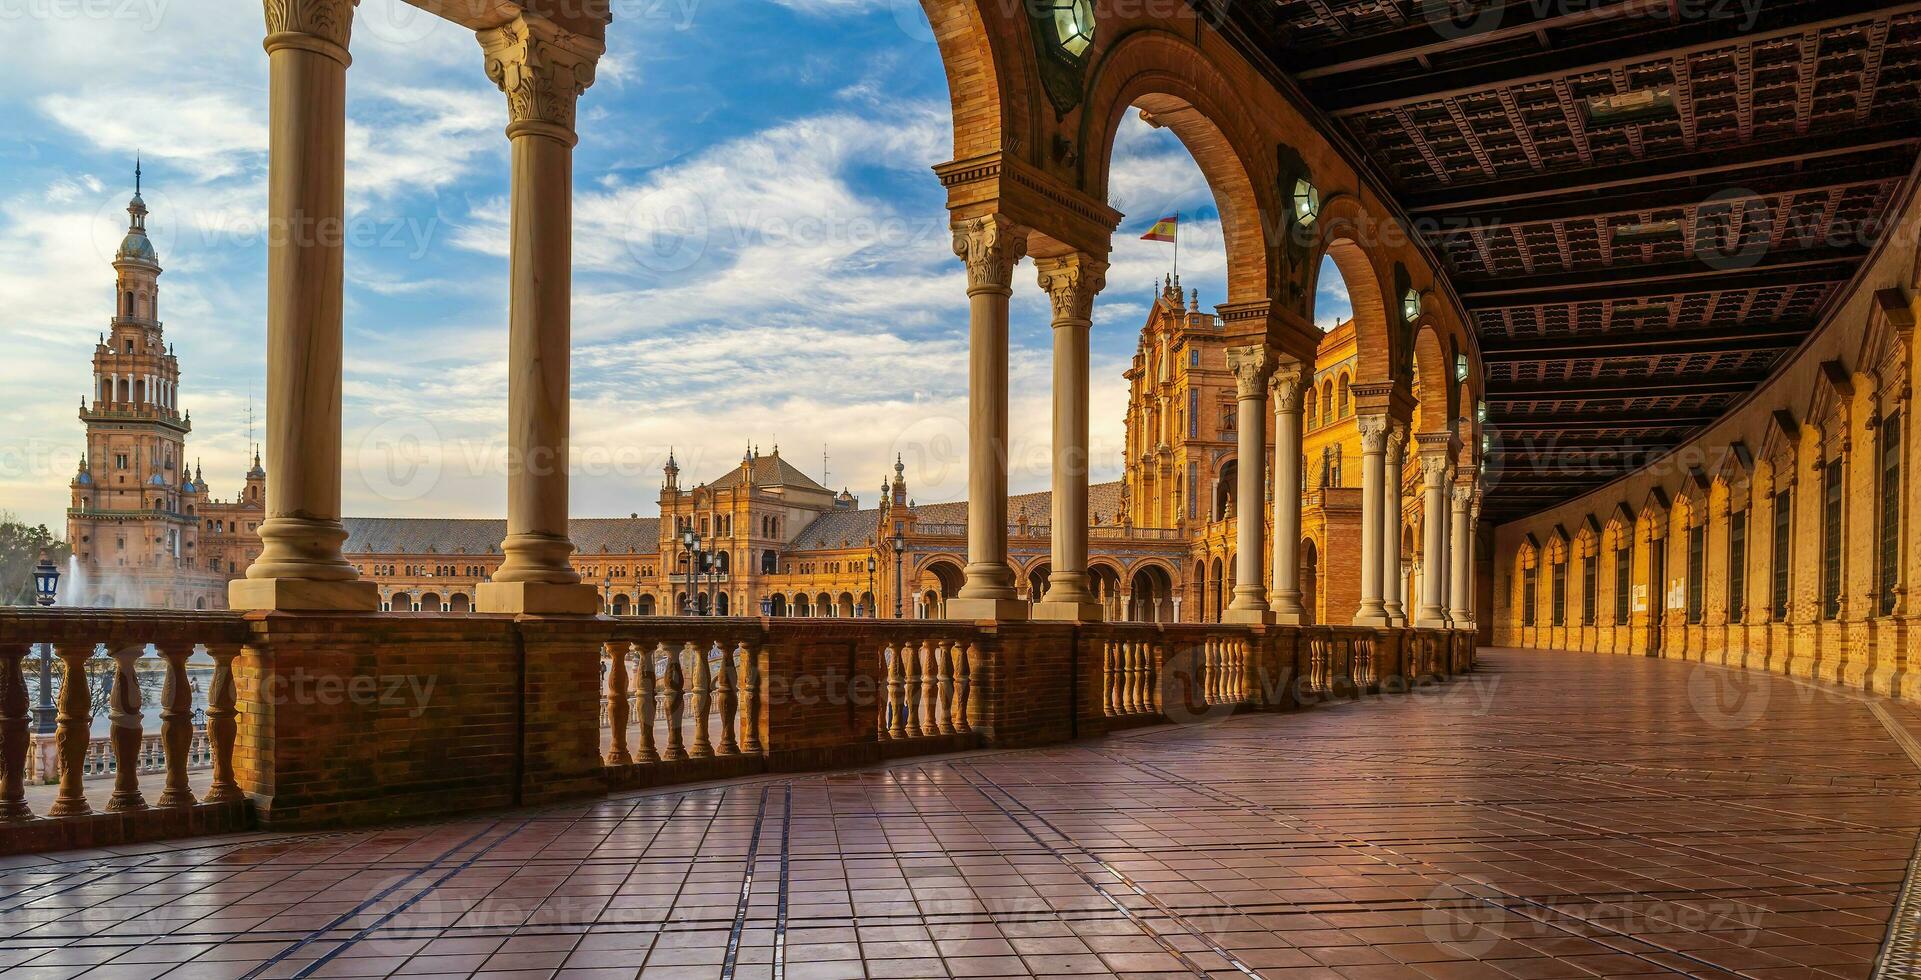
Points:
x=70, y=731
x=644, y=659
x=749, y=700
x=910, y=706
x=964, y=660
x=124, y=712
x=617, y=716
x=1107, y=678
x=1137, y=677
x=724, y=700
x=1123, y=678
x=929, y=689
x=14, y=737
x=1154, y=656
x=673, y=751
x=979, y=675
x=175, y=725
x=895, y=724
x=222, y=724
x=702, y=666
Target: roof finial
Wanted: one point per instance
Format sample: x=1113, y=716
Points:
x=136, y=171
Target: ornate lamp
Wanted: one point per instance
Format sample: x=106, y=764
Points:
x=46, y=580
x=1307, y=201
x=1073, y=26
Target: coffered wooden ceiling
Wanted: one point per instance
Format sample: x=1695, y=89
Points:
x=1645, y=205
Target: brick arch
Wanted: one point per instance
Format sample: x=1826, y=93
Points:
x=1343, y=226
x=1177, y=87
x=984, y=101
x=1435, y=374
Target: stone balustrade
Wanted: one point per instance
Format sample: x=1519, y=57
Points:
x=350, y=717
x=77, y=638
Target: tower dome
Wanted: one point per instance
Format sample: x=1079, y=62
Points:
x=137, y=247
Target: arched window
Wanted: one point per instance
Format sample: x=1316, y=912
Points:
x=1327, y=402
x=1309, y=408
x=768, y=562
x=1344, y=406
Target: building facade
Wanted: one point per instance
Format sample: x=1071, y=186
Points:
x=762, y=538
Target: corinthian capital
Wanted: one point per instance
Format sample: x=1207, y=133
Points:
x=542, y=68
x=331, y=21
x=1251, y=366
x=1373, y=429
x=1072, y=281
x=1288, y=383
x=1396, y=437
x=991, y=246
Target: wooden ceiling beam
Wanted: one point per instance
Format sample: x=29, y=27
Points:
x=1629, y=343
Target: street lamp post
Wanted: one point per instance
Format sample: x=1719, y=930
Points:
x=872, y=612
x=900, y=552
x=690, y=540
x=46, y=584
x=607, y=594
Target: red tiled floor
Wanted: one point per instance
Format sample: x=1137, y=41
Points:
x=1551, y=816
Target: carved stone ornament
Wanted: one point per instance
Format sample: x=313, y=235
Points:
x=1396, y=438
x=1463, y=496
x=329, y=20
x=1072, y=281
x=1373, y=429
x=1434, y=467
x=542, y=69
x=991, y=246
x=1250, y=366
x=1289, y=384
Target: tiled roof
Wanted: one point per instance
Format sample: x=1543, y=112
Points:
x=830, y=529
x=458, y=536
x=1103, y=502
x=770, y=471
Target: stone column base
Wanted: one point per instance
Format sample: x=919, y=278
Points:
x=302, y=595
x=46, y=755
x=1068, y=612
x=1289, y=618
x=1437, y=623
x=1003, y=610
x=537, y=599
x=1248, y=617
x=1378, y=621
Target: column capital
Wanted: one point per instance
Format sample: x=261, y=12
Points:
x=991, y=246
x=1434, y=468
x=1373, y=429
x=1463, y=495
x=1072, y=281
x=543, y=69
x=1288, y=383
x=318, y=25
x=1251, y=366
x=1396, y=438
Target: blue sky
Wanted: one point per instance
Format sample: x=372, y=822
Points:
x=761, y=250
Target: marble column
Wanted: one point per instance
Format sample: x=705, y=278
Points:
x=1288, y=386
x=300, y=565
x=1391, y=516
x=1071, y=281
x=991, y=246
x=1432, y=613
x=542, y=69
x=1461, y=553
x=1373, y=429
x=1251, y=366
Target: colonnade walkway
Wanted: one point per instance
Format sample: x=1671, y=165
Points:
x=1550, y=815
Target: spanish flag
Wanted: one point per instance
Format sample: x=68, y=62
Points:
x=1167, y=229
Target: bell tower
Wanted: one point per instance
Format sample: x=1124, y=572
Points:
x=131, y=497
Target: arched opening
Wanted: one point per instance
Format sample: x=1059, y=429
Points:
x=940, y=581
x=1360, y=292
x=769, y=562
x=1216, y=588
x=867, y=605
x=619, y=606
x=430, y=602
x=801, y=606
x=1037, y=578
x=1104, y=581
x=644, y=606
x=777, y=605
x=720, y=601
x=1225, y=485
x=824, y=606
x=1152, y=599
x=844, y=606
x=459, y=603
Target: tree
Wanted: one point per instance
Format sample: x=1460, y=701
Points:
x=20, y=548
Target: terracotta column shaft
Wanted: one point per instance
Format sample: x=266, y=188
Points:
x=1071, y=281
x=1287, y=386
x=300, y=565
x=991, y=246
